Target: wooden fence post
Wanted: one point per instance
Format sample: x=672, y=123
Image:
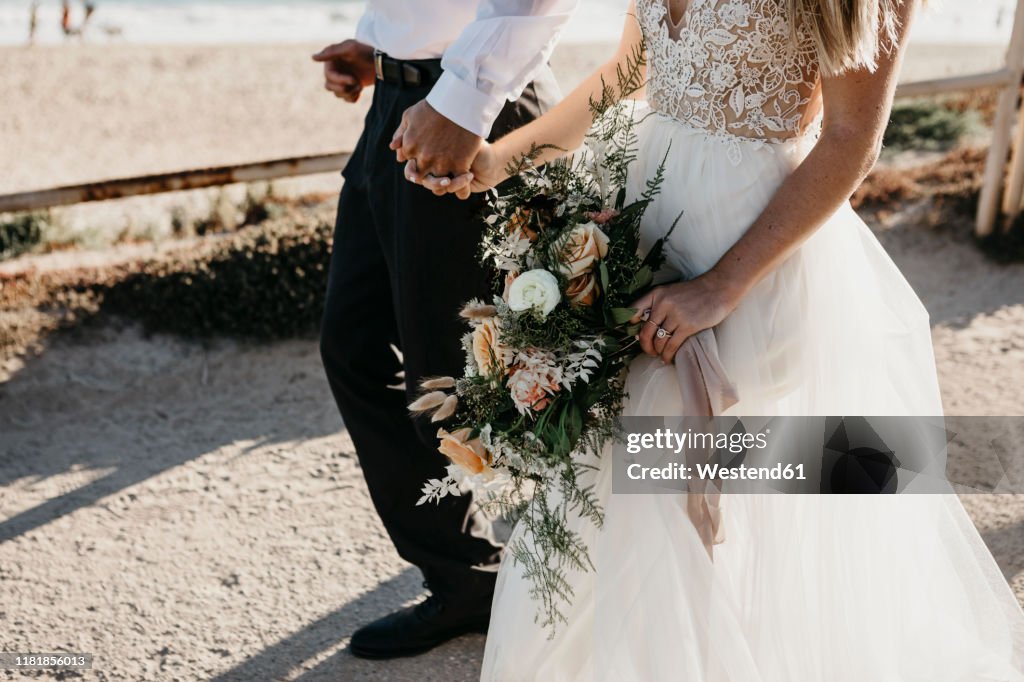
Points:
x=992, y=182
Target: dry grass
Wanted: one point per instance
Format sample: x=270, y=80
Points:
x=982, y=101
x=953, y=182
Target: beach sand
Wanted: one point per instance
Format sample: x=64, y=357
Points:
x=188, y=511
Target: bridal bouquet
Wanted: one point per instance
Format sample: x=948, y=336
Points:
x=543, y=384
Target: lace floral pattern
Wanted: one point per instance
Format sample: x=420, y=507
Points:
x=734, y=69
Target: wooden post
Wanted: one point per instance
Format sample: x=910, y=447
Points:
x=992, y=182
x=1015, y=180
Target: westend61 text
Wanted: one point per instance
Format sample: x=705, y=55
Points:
x=667, y=439
x=716, y=472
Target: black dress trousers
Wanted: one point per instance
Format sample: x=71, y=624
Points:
x=404, y=262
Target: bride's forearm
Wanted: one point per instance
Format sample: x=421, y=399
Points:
x=563, y=128
x=826, y=179
x=857, y=107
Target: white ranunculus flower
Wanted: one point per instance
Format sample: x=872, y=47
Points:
x=534, y=290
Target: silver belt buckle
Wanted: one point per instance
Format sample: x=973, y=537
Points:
x=378, y=64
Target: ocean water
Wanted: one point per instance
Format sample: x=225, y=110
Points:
x=281, y=21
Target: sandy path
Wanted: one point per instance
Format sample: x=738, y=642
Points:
x=193, y=513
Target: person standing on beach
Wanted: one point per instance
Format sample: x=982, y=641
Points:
x=454, y=73
x=33, y=22
x=65, y=18
x=90, y=9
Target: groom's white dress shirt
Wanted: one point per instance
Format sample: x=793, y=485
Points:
x=489, y=49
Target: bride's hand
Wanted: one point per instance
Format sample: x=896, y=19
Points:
x=681, y=310
x=486, y=172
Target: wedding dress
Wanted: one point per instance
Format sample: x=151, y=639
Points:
x=804, y=588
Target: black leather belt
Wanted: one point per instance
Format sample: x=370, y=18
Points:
x=412, y=73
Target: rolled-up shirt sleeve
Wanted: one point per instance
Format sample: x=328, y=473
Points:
x=495, y=58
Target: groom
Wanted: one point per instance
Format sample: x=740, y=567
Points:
x=404, y=261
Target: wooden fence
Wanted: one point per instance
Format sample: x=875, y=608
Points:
x=172, y=182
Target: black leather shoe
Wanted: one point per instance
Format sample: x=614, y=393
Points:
x=416, y=629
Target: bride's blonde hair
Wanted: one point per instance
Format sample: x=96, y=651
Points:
x=849, y=34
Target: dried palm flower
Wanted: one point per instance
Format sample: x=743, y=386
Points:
x=475, y=310
x=447, y=409
x=428, y=402
x=437, y=383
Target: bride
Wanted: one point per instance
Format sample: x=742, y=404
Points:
x=773, y=113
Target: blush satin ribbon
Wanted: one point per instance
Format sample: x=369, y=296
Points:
x=706, y=391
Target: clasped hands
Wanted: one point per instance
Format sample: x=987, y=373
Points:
x=442, y=156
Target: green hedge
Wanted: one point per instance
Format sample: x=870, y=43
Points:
x=265, y=282
x=21, y=234
x=927, y=125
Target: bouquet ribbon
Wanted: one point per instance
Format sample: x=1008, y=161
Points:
x=706, y=391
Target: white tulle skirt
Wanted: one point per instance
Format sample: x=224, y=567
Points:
x=805, y=588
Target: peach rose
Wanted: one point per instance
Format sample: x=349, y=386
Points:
x=471, y=455
x=583, y=290
x=586, y=245
x=532, y=388
x=487, y=349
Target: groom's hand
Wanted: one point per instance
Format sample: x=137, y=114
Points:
x=348, y=68
x=438, y=146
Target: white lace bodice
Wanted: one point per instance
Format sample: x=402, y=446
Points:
x=734, y=68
